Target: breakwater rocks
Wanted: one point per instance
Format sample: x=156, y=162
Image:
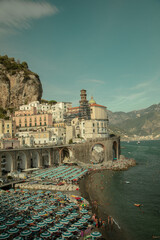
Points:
x=121, y=164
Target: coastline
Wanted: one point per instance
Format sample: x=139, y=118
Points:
x=93, y=194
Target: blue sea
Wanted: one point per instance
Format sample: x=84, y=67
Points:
x=139, y=184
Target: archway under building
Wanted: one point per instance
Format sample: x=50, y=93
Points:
x=65, y=155
x=46, y=161
x=115, y=150
x=6, y=163
x=21, y=161
x=35, y=160
x=97, y=153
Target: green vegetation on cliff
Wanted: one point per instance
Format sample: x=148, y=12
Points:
x=13, y=67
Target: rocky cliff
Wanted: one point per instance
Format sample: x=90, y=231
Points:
x=18, y=84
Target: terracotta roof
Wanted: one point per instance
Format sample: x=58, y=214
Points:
x=96, y=105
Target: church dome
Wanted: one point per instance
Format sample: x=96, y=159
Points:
x=92, y=101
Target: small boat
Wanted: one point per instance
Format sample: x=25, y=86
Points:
x=137, y=204
x=138, y=142
x=127, y=182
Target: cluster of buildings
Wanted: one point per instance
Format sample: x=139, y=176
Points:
x=41, y=123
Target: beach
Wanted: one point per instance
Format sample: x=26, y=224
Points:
x=91, y=188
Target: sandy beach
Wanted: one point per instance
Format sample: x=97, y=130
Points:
x=91, y=188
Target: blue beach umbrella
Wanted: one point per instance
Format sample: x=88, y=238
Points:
x=36, y=217
x=53, y=229
x=3, y=227
x=87, y=216
x=60, y=213
x=72, y=229
x=53, y=207
x=84, y=211
x=70, y=217
x=96, y=234
x=48, y=209
x=67, y=234
x=10, y=223
x=39, y=191
x=35, y=229
x=37, y=207
x=13, y=230
x=41, y=224
x=74, y=214
x=21, y=225
x=29, y=221
x=18, y=218
x=64, y=221
x=48, y=220
x=38, y=200
x=2, y=219
x=42, y=213
x=18, y=238
x=78, y=224
x=4, y=235
x=45, y=234
x=25, y=233
x=59, y=225
x=83, y=220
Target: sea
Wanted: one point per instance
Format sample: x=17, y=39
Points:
x=137, y=185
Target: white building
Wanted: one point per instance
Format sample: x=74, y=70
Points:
x=59, y=109
x=41, y=107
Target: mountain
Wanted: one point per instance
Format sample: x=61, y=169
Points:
x=140, y=124
x=18, y=84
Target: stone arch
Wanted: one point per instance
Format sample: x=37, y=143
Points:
x=6, y=163
x=115, y=150
x=46, y=159
x=97, y=153
x=21, y=161
x=35, y=159
x=65, y=154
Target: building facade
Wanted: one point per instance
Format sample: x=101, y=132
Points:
x=7, y=128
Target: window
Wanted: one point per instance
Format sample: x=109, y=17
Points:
x=45, y=123
x=7, y=131
x=19, y=125
x=30, y=124
x=93, y=130
x=93, y=124
x=25, y=124
x=7, y=125
x=35, y=124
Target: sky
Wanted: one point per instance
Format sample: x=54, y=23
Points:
x=111, y=48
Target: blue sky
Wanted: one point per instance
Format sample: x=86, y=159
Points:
x=111, y=48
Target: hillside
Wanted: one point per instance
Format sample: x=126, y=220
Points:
x=144, y=123
x=18, y=84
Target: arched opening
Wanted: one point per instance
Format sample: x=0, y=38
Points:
x=6, y=163
x=21, y=161
x=78, y=133
x=35, y=160
x=114, y=150
x=97, y=153
x=45, y=159
x=65, y=155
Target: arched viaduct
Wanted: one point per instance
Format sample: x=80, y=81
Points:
x=20, y=159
